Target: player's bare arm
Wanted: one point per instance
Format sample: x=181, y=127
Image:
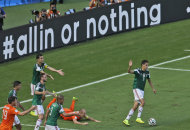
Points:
x=70, y=114
x=27, y=111
x=40, y=93
x=21, y=106
x=46, y=116
x=151, y=85
x=50, y=93
x=48, y=75
x=130, y=66
x=92, y=119
x=60, y=72
x=79, y=123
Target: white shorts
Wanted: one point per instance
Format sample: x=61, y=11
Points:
x=40, y=110
x=32, y=86
x=16, y=121
x=49, y=127
x=138, y=94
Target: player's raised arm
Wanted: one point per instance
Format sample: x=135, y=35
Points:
x=151, y=85
x=92, y=119
x=48, y=75
x=27, y=111
x=60, y=72
x=130, y=66
x=79, y=123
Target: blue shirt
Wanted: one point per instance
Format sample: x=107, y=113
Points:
x=2, y=11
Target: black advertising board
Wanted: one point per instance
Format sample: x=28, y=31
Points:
x=91, y=24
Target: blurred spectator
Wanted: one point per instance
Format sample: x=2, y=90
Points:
x=42, y=15
x=2, y=16
x=95, y=3
x=53, y=12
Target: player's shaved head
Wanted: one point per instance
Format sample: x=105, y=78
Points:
x=82, y=112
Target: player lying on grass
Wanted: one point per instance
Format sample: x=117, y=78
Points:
x=75, y=119
x=16, y=87
x=39, y=69
x=40, y=92
x=141, y=75
x=54, y=112
x=9, y=113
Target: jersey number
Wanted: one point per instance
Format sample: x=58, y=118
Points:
x=5, y=112
x=51, y=111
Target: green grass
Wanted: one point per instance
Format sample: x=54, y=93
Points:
x=110, y=101
x=20, y=15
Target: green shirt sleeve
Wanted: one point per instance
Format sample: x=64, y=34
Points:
x=136, y=72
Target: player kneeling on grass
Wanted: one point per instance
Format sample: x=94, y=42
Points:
x=75, y=119
x=141, y=75
x=54, y=112
x=40, y=92
x=9, y=113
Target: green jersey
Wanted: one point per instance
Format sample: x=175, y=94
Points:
x=36, y=72
x=12, y=93
x=55, y=111
x=37, y=99
x=140, y=78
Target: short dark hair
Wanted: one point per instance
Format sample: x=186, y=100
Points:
x=52, y=3
x=16, y=83
x=11, y=99
x=38, y=55
x=60, y=97
x=144, y=62
x=41, y=75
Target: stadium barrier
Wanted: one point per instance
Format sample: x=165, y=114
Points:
x=70, y=29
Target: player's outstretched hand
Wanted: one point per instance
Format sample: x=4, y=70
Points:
x=130, y=63
x=60, y=72
x=154, y=90
x=97, y=121
x=44, y=123
x=85, y=123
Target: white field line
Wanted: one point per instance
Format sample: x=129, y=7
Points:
x=186, y=50
x=43, y=127
x=163, y=68
x=103, y=80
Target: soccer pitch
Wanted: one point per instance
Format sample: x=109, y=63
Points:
x=110, y=100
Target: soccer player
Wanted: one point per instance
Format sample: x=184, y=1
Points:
x=40, y=92
x=54, y=112
x=9, y=113
x=39, y=69
x=70, y=110
x=141, y=75
x=16, y=87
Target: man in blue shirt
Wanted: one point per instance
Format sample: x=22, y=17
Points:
x=2, y=16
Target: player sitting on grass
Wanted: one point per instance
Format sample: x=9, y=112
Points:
x=54, y=112
x=40, y=92
x=16, y=87
x=9, y=113
x=75, y=119
x=141, y=75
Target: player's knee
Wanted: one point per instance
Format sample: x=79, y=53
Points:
x=143, y=103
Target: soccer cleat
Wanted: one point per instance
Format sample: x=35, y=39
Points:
x=33, y=113
x=139, y=120
x=55, y=93
x=126, y=122
x=76, y=99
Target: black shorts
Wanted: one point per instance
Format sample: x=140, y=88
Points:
x=1, y=28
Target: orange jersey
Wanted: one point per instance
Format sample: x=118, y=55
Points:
x=66, y=110
x=9, y=113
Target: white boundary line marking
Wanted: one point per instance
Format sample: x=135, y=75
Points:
x=43, y=127
x=103, y=80
x=186, y=50
x=163, y=68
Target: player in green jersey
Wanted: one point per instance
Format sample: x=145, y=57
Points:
x=54, y=112
x=39, y=69
x=141, y=75
x=16, y=87
x=40, y=91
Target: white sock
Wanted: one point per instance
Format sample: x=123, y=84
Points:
x=140, y=111
x=130, y=114
x=32, y=90
x=38, y=123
